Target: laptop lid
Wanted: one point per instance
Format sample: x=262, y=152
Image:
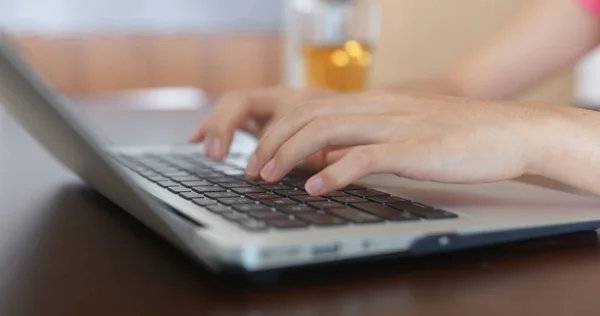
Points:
x=52, y=121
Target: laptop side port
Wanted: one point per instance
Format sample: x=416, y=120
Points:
x=328, y=249
x=280, y=253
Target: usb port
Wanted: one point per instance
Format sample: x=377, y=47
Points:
x=325, y=249
x=280, y=253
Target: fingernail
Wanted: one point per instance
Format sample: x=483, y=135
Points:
x=315, y=185
x=252, y=165
x=268, y=170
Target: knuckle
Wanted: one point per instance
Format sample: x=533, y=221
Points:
x=363, y=157
x=232, y=97
x=326, y=123
x=303, y=94
x=321, y=129
x=304, y=109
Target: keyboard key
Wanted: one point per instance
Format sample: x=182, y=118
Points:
x=148, y=173
x=290, y=192
x=185, y=178
x=247, y=190
x=233, y=172
x=235, y=200
x=168, y=183
x=198, y=169
x=434, y=214
x=278, y=202
x=218, y=208
x=250, y=207
x=179, y=189
x=407, y=206
x=389, y=199
x=292, y=209
x=176, y=174
x=350, y=199
x=169, y=172
x=353, y=187
x=183, y=164
x=157, y=178
x=208, y=175
x=326, y=205
x=234, y=216
x=219, y=195
x=321, y=219
x=206, y=189
x=237, y=184
x=424, y=212
x=336, y=194
x=221, y=179
x=296, y=183
x=196, y=183
x=204, y=201
x=366, y=193
x=256, y=182
x=285, y=223
x=191, y=195
x=252, y=224
x=355, y=215
x=308, y=198
x=262, y=196
x=264, y=215
x=385, y=212
x=273, y=187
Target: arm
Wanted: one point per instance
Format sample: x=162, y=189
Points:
x=546, y=37
x=414, y=137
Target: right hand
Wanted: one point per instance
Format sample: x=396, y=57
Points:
x=251, y=111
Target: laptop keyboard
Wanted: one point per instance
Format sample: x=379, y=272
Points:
x=221, y=188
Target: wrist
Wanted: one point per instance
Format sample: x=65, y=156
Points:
x=564, y=145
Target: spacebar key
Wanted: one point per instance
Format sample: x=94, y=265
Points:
x=385, y=212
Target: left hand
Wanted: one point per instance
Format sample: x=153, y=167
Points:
x=430, y=138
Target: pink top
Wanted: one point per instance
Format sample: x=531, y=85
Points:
x=593, y=6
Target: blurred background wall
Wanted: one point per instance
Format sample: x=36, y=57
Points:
x=98, y=46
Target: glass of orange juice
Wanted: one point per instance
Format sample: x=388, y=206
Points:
x=336, y=42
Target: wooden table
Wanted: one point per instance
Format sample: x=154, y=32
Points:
x=65, y=250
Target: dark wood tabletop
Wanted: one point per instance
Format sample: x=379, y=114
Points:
x=66, y=250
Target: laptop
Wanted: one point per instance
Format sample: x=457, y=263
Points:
x=230, y=224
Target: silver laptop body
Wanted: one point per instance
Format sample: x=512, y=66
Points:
x=487, y=214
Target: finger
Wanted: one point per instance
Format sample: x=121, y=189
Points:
x=315, y=162
x=358, y=162
x=219, y=126
x=250, y=126
x=198, y=133
x=323, y=158
x=335, y=155
x=327, y=131
x=283, y=130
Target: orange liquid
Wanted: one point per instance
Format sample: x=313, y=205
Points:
x=341, y=67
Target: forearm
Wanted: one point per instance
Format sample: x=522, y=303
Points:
x=546, y=37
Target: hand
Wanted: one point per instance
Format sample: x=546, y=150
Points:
x=252, y=111
x=429, y=138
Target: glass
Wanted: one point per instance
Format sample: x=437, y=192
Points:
x=336, y=43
